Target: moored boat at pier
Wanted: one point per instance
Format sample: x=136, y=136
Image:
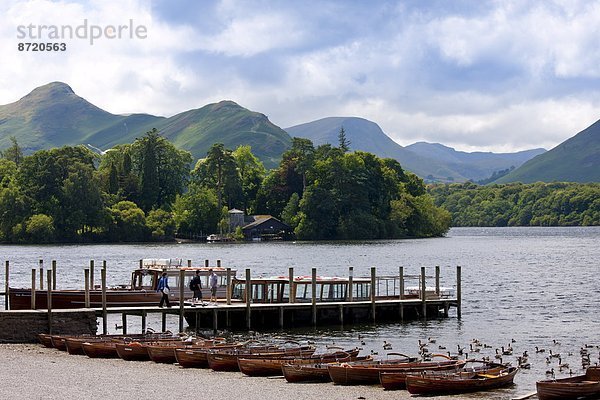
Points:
x=141, y=291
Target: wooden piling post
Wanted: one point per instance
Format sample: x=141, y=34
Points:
x=53, y=274
x=228, y=293
x=92, y=274
x=124, y=323
x=248, y=299
x=292, y=295
x=49, y=301
x=41, y=274
x=281, y=318
x=6, y=286
x=350, y=294
x=215, y=321
x=163, y=325
x=33, y=272
x=181, y=299
x=206, y=263
x=401, y=288
x=458, y=292
x=104, y=313
x=86, y=274
x=373, y=291
x=314, y=296
x=218, y=263
x=342, y=314
x=144, y=321
x=437, y=280
x=423, y=293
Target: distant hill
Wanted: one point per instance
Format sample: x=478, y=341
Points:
x=476, y=165
x=430, y=161
x=53, y=115
x=575, y=160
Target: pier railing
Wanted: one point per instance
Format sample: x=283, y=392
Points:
x=353, y=289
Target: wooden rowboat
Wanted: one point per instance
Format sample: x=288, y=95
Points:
x=459, y=382
x=227, y=359
x=367, y=373
x=133, y=351
x=577, y=387
x=45, y=339
x=267, y=365
x=308, y=371
x=58, y=342
x=194, y=357
x=397, y=380
x=103, y=349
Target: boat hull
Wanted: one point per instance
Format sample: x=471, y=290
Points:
x=368, y=373
x=457, y=383
x=577, y=387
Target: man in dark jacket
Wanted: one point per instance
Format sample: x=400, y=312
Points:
x=196, y=286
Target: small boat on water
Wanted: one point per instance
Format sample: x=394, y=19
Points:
x=267, y=365
x=429, y=383
x=367, y=372
x=576, y=387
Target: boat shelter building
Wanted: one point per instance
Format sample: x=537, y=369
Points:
x=259, y=227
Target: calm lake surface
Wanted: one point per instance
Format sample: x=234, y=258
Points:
x=530, y=285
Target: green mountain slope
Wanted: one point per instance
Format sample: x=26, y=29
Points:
x=575, y=160
x=430, y=161
x=53, y=115
x=228, y=123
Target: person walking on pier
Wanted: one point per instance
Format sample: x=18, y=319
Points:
x=163, y=288
x=196, y=286
x=213, y=283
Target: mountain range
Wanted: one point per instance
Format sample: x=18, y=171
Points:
x=53, y=115
x=432, y=161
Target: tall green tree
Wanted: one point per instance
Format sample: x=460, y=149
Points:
x=14, y=153
x=218, y=171
x=344, y=143
x=162, y=169
x=251, y=172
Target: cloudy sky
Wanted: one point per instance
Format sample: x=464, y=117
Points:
x=474, y=75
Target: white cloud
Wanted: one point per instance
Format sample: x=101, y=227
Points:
x=508, y=76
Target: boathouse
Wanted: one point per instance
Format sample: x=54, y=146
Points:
x=259, y=227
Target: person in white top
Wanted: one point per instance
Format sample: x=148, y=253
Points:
x=212, y=284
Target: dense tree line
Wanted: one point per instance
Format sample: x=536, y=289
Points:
x=148, y=190
x=517, y=204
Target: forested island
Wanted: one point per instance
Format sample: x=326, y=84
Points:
x=151, y=190
x=517, y=204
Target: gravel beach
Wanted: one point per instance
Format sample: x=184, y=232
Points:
x=30, y=371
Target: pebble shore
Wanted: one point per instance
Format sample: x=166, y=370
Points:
x=31, y=371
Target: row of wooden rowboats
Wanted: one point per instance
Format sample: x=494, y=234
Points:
x=302, y=363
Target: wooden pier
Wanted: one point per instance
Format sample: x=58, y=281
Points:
x=391, y=300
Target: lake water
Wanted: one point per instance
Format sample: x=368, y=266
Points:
x=530, y=285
